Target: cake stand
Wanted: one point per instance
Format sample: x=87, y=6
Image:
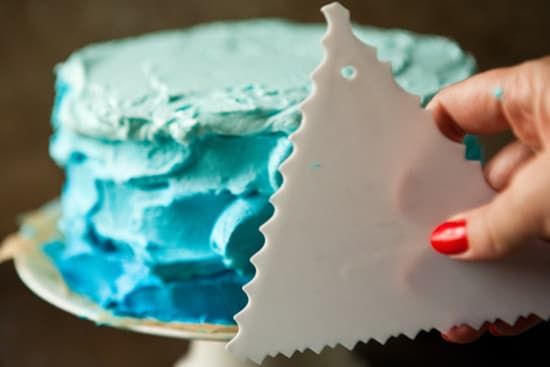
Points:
x=207, y=341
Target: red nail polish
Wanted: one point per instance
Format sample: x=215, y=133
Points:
x=449, y=238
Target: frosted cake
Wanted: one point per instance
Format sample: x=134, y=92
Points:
x=171, y=144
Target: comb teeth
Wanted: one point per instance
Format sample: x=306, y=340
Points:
x=346, y=257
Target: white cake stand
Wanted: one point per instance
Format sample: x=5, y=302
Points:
x=207, y=341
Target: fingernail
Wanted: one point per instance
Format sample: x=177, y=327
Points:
x=449, y=238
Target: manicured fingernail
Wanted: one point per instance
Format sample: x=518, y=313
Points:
x=449, y=238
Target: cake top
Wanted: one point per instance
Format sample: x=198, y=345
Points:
x=230, y=78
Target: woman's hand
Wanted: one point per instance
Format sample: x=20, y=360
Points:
x=517, y=99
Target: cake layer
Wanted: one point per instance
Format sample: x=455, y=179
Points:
x=190, y=207
x=171, y=143
x=110, y=278
x=231, y=78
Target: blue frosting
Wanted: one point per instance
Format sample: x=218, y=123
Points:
x=186, y=223
x=171, y=144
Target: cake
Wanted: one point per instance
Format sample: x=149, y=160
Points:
x=171, y=144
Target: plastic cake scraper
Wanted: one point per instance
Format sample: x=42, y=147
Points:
x=347, y=255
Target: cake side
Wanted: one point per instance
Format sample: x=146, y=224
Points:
x=171, y=143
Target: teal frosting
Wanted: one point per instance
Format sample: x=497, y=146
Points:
x=171, y=144
x=498, y=92
x=225, y=78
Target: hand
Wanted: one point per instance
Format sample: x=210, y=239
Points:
x=517, y=99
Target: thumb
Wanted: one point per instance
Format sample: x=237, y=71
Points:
x=515, y=216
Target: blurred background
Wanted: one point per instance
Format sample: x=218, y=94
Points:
x=36, y=34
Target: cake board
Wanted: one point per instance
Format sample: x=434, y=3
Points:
x=207, y=347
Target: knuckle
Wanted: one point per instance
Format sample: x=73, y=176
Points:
x=520, y=101
x=495, y=244
x=504, y=223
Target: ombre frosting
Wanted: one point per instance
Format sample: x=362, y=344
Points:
x=171, y=144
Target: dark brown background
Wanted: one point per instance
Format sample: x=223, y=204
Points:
x=35, y=34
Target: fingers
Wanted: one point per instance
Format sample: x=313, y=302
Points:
x=464, y=334
x=502, y=167
x=500, y=328
x=471, y=106
x=515, y=216
x=497, y=100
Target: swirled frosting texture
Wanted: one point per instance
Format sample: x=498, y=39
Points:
x=225, y=78
x=171, y=143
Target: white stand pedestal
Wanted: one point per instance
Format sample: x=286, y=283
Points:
x=212, y=353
